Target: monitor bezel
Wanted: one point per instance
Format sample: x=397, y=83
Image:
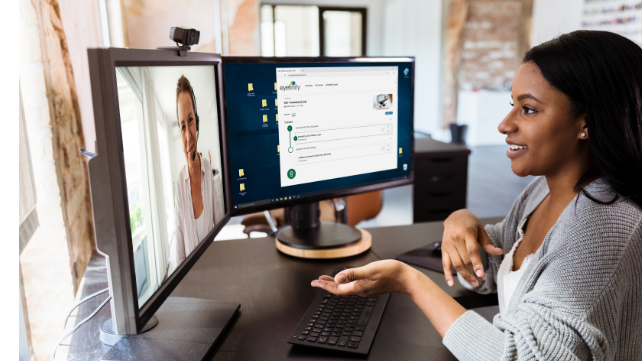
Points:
x=109, y=189
x=330, y=194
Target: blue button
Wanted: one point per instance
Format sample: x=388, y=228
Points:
x=388, y=113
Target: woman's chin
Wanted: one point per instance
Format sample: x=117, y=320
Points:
x=519, y=170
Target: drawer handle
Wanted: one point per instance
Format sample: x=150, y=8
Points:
x=442, y=160
x=440, y=211
x=440, y=194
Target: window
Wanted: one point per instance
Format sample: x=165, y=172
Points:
x=297, y=30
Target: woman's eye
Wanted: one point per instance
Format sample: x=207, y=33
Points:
x=528, y=110
x=511, y=104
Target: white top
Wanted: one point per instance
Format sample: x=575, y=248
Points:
x=188, y=235
x=507, y=279
x=200, y=227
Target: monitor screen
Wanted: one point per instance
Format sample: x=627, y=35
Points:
x=297, y=130
x=172, y=157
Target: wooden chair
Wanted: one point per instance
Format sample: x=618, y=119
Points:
x=358, y=208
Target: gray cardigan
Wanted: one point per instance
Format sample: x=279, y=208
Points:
x=580, y=297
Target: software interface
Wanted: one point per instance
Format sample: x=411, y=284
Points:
x=165, y=146
x=302, y=129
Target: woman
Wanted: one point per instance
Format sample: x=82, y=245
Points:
x=196, y=204
x=567, y=260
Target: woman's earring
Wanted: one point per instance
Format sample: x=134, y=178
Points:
x=582, y=135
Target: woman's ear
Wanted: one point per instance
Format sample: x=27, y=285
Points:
x=583, y=127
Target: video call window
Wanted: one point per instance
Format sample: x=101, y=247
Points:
x=173, y=168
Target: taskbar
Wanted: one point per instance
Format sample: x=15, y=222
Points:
x=311, y=194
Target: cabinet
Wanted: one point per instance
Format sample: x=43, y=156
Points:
x=441, y=175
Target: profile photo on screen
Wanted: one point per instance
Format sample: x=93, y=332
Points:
x=171, y=148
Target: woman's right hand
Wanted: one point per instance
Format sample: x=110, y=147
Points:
x=463, y=232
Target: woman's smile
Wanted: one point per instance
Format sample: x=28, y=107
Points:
x=515, y=150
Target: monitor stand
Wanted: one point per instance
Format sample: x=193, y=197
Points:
x=308, y=237
x=185, y=329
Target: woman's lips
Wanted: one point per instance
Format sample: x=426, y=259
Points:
x=516, y=150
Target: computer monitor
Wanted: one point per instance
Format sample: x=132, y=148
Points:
x=301, y=130
x=158, y=182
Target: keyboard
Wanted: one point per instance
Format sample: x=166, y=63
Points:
x=344, y=323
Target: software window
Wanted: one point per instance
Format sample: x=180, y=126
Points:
x=336, y=122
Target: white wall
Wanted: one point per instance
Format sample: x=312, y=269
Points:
x=552, y=18
x=413, y=28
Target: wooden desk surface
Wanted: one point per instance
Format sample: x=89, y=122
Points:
x=274, y=292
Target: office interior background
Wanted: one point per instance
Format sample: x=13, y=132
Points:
x=466, y=54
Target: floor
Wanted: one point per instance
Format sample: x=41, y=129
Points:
x=492, y=189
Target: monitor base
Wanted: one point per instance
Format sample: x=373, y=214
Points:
x=187, y=329
x=341, y=251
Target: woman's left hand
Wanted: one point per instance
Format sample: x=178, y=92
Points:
x=376, y=278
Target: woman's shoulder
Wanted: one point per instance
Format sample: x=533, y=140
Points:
x=601, y=221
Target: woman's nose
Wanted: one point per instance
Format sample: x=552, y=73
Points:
x=508, y=124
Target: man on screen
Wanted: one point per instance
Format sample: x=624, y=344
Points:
x=196, y=203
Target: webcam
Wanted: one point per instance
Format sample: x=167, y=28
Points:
x=184, y=36
x=184, y=39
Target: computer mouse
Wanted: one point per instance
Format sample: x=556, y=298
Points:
x=437, y=250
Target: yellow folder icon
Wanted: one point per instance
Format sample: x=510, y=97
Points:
x=277, y=117
x=278, y=148
x=264, y=103
x=274, y=86
x=250, y=88
x=400, y=150
x=276, y=102
x=241, y=173
x=242, y=187
x=264, y=118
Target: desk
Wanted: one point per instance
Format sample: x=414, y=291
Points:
x=274, y=292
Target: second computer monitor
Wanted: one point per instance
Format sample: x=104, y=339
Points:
x=309, y=129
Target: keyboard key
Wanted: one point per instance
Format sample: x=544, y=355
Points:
x=371, y=304
x=308, y=328
x=322, y=339
x=345, y=333
x=325, y=333
x=305, y=332
x=321, y=322
x=367, y=311
x=315, y=316
x=360, y=328
x=372, y=299
x=314, y=334
x=348, y=329
x=335, y=334
x=316, y=330
x=312, y=339
x=355, y=339
x=301, y=338
x=342, y=341
x=357, y=333
x=323, y=318
x=353, y=344
x=310, y=324
x=332, y=340
x=327, y=329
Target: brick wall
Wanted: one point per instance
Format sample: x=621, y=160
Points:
x=485, y=42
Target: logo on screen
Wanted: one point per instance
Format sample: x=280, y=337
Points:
x=292, y=86
x=405, y=72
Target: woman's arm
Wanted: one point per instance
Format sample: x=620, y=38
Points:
x=395, y=277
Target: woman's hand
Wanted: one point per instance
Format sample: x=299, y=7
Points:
x=463, y=232
x=376, y=278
